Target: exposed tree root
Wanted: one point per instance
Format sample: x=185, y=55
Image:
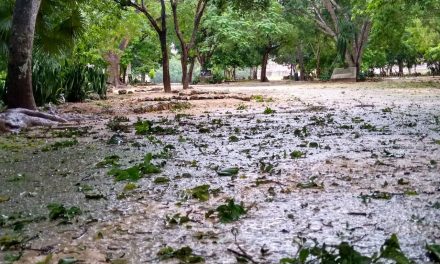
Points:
x=14, y=120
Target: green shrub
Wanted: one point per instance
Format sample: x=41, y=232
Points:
x=97, y=81
x=46, y=82
x=217, y=77
x=152, y=74
x=80, y=80
x=75, y=83
x=51, y=80
x=325, y=75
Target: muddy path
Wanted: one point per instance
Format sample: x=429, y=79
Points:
x=327, y=163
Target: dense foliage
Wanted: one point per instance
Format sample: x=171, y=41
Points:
x=79, y=44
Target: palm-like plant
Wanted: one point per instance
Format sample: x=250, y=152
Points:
x=59, y=23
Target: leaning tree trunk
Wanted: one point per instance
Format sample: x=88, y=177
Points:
x=19, y=80
x=264, y=67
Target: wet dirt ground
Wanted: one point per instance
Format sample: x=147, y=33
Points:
x=328, y=162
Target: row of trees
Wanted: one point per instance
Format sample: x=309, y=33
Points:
x=312, y=36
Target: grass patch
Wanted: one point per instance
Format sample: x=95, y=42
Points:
x=60, y=144
x=269, y=111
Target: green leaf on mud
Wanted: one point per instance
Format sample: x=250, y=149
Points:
x=142, y=127
x=434, y=251
x=109, y=161
x=200, y=192
x=132, y=173
x=130, y=187
x=231, y=211
x=4, y=198
x=177, y=219
x=146, y=128
x=11, y=258
x=349, y=255
x=233, y=139
x=313, y=145
x=68, y=260
x=147, y=167
x=184, y=254
x=59, y=211
x=161, y=180
x=381, y=195
x=228, y=171
x=8, y=241
x=296, y=154
x=391, y=250
x=311, y=184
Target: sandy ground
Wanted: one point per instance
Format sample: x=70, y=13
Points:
x=368, y=170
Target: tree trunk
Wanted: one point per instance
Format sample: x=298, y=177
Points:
x=191, y=70
x=19, y=92
x=400, y=62
x=165, y=62
x=124, y=75
x=300, y=57
x=318, y=63
x=263, y=77
x=184, y=63
x=113, y=61
x=255, y=73
x=114, y=64
x=143, y=77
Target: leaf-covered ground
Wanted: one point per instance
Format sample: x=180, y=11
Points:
x=226, y=180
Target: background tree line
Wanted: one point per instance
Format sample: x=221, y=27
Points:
x=72, y=49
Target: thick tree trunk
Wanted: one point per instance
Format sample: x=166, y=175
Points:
x=124, y=75
x=165, y=62
x=400, y=68
x=113, y=61
x=114, y=64
x=263, y=77
x=19, y=80
x=191, y=70
x=184, y=63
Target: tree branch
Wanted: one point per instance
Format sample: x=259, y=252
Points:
x=200, y=10
x=321, y=22
x=331, y=9
x=176, y=26
x=142, y=8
